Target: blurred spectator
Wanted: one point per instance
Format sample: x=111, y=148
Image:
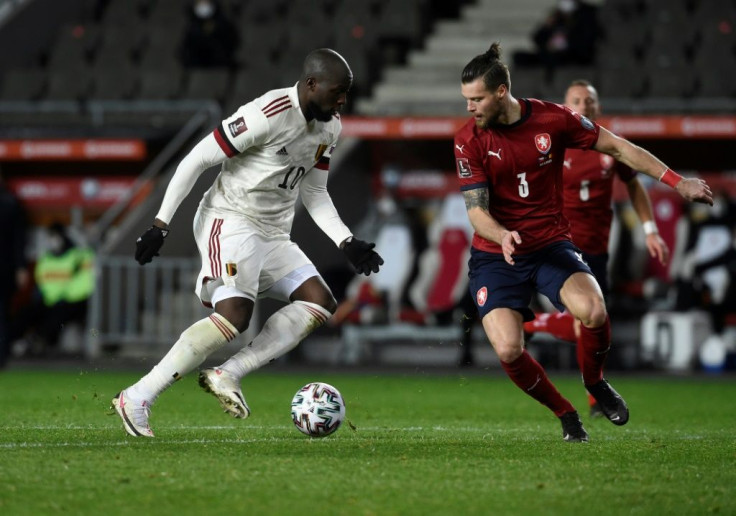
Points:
x=708, y=273
x=13, y=268
x=210, y=39
x=377, y=299
x=64, y=276
x=566, y=37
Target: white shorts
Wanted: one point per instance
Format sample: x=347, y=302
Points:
x=240, y=261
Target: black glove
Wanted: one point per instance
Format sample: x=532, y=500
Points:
x=149, y=243
x=362, y=256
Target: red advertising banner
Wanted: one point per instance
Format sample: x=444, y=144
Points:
x=72, y=150
x=54, y=192
x=674, y=127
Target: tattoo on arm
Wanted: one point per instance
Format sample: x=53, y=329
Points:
x=476, y=198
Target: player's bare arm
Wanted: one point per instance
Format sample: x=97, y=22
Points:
x=476, y=202
x=692, y=189
x=643, y=208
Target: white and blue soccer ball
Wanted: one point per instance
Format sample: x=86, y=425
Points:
x=317, y=409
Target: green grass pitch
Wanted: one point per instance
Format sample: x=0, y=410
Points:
x=417, y=444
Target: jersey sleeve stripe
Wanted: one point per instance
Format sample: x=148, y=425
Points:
x=474, y=186
x=227, y=147
x=277, y=109
x=274, y=101
x=323, y=163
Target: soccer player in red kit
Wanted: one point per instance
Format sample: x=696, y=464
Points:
x=509, y=159
x=587, y=191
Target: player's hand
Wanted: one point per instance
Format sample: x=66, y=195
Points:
x=149, y=243
x=658, y=248
x=362, y=256
x=695, y=190
x=508, y=245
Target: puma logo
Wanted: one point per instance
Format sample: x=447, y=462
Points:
x=460, y=148
x=567, y=164
x=497, y=154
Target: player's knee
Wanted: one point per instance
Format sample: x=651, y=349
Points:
x=507, y=350
x=237, y=311
x=323, y=298
x=594, y=314
x=328, y=302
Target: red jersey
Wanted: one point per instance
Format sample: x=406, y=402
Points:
x=588, y=188
x=521, y=165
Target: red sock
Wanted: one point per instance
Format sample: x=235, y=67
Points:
x=591, y=400
x=530, y=377
x=592, y=350
x=561, y=325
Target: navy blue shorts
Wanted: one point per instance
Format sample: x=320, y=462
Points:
x=496, y=284
x=598, y=264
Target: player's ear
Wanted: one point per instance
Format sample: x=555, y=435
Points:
x=501, y=91
x=311, y=83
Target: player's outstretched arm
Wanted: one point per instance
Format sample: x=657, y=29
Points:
x=692, y=189
x=207, y=153
x=643, y=207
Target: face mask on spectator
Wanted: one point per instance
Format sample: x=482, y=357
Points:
x=204, y=9
x=566, y=6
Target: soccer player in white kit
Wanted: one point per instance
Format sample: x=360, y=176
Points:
x=271, y=150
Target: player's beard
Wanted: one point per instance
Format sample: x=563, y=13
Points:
x=320, y=114
x=490, y=118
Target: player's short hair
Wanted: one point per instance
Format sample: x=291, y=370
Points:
x=581, y=82
x=490, y=67
x=584, y=83
x=324, y=63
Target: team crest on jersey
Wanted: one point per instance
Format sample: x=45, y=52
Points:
x=481, y=296
x=231, y=269
x=543, y=142
x=463, y=168
x=320, y=151
x=237, y=127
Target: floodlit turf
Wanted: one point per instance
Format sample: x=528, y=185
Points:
x=421, y=445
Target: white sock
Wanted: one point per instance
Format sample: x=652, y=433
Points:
x=281, y=333
x=193, y=346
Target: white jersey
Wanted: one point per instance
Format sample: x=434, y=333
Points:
x=271, y=148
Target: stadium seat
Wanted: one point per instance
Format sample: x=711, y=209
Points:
x=208, y=83
x=675, y=81
x=73, y=46
x=259, y=44
x=23, y=84
x=119, y=45
x=620, y=82
x=528, y=82
x=251, y=83
x=168, y=12
x=403, y=20
x=122, y=12
x=716, y=79
x=161, y=84
x=162, y=46
x=68, y=85
x=114, y=83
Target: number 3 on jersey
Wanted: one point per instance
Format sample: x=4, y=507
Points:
x=291, y=185
x=523, y=185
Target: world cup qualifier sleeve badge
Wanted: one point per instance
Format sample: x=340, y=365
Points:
x=463, y=168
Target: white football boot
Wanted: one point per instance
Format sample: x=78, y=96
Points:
x=227, y=391
x=134, y=414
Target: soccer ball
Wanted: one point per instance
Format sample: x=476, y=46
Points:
x=317, y=409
